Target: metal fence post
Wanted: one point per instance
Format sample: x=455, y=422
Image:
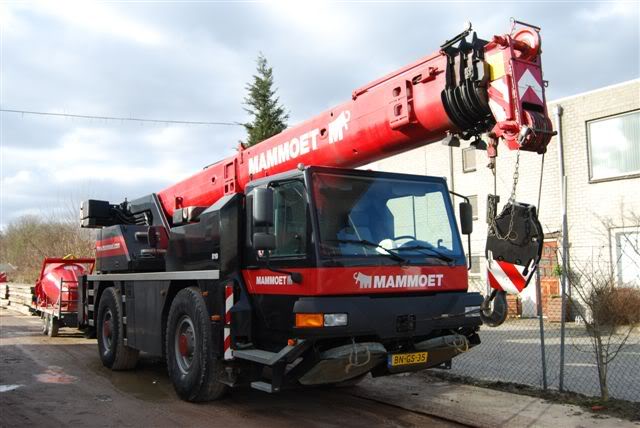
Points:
x=540, y=313
x=565, y=259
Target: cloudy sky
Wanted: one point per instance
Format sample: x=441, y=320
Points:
x=190, y=61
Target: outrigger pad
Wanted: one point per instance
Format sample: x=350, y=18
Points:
x=513, y=253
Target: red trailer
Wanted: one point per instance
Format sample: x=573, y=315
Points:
x=56, y=292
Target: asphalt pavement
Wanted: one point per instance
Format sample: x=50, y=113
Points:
x=60, y=381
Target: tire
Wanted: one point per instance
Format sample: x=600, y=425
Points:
x=113, y=352
x=193, y=369
x=45, y=324
x=54, y=326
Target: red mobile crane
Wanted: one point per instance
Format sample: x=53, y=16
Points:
x=278, y=267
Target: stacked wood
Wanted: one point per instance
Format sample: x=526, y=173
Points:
x=16, y=296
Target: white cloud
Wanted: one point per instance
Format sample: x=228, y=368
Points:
x=104, y=58
x=609, y=10
x=100, y=17
x=9, y=22
x=20, y=177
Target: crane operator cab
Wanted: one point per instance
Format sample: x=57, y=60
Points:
x=379, y=252
x=334, y=218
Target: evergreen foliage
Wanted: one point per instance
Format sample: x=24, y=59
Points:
x=268, y=116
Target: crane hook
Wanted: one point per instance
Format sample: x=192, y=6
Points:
x=496, y=315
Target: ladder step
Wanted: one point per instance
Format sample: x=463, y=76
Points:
x=256, y=355
x=90, y=292
x=91, y=323
x=262, y=386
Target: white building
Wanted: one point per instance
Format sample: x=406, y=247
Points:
x=601, y=139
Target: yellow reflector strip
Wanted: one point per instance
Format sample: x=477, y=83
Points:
x=496, y=66
x=309, y=320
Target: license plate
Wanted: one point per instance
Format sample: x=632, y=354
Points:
x=395, y=360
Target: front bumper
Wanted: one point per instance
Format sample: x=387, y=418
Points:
x=391, y=317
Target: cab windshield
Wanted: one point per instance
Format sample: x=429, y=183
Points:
x=382, y=217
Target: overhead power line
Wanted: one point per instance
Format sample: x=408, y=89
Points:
x=123, y=119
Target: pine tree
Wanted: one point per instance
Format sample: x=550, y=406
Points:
x=268, y=116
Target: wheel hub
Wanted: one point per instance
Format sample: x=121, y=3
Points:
x=107, y=330
x=184, y=343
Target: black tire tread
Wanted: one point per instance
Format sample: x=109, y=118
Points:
x=45, y=324
x=207, y=387
x=126, y=358
x=54, y=326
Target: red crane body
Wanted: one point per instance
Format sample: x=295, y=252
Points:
x=256, y=262
x=416, y=105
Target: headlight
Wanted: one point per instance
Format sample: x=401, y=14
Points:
x=335, y=320
x=321, y=320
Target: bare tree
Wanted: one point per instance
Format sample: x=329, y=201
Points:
x=610, y=309
x=29, y=239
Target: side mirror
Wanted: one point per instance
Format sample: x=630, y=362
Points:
x=263, y=207
x=263, y=241
x=466, y=218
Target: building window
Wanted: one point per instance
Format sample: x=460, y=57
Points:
x=473, y=200
x=614, y=146
x=628, y=258
x=468, y=159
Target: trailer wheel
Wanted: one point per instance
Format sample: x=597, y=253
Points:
x=113, y=352
x=45, y=323
x=54, y=326
x=193, y=369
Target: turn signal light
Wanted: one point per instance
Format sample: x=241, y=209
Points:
x=321, y=320
x=309, y=320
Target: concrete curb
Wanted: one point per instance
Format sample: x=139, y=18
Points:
x=480, y=407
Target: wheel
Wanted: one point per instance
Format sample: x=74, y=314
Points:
x=193, y=369
x=54, y=326
x=45, y=323
x=113, y=352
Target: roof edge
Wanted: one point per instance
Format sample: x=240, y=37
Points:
x=604, y=88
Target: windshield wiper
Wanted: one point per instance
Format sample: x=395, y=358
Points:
x=391, y=254
x=434, y=252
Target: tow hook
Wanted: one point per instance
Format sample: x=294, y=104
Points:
x=496, y=315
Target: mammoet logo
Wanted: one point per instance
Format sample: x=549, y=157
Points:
x=108, y=247
x=398, y=281
x=305, y=143
x=362, y=280
x=338, y=126
x=274, y=280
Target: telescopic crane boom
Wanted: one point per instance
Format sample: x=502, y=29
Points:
x=463, y=90
x=284, y=266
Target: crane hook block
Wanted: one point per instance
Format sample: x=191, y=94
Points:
x=494, y=309
x=514, y=247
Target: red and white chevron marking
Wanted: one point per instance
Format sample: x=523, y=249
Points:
x=228, y=304
x=507, y=276
x=499, y=98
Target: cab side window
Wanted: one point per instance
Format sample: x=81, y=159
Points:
x=290, y=226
